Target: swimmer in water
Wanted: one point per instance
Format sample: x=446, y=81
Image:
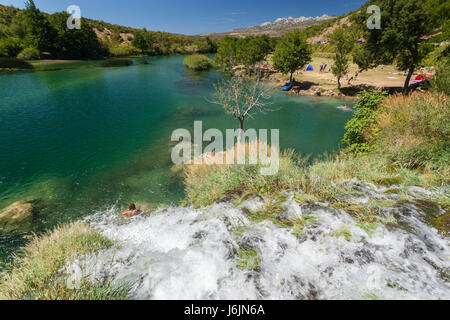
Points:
x=132, y=210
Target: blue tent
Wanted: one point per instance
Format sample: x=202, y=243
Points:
x=309, y=68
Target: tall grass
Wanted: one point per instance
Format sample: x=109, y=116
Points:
x=36, y=273
x=206, y=183
x=414, y=130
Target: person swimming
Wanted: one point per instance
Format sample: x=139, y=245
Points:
x=132, y=210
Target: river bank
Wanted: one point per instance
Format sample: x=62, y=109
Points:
x=315, y=83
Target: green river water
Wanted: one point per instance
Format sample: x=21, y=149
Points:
x=86, y=138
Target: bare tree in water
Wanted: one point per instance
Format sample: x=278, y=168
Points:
x=243, y=97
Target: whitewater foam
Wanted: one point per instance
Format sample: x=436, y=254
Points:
x=187, y=253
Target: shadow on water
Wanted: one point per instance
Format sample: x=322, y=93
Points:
x=192, y=85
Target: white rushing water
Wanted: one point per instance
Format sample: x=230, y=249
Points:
x=187, y=253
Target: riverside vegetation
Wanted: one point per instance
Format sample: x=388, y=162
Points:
x=198, y=62
x=392, y=142
x=392, y=179
x=30, y=34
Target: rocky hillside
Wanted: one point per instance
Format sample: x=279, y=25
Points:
x=281, y=26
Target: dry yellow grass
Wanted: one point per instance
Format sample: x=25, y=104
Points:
x=207, y=161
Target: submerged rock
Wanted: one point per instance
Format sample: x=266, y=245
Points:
x=18, y=216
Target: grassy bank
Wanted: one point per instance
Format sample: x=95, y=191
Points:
x=407, y=142
x=36, y=273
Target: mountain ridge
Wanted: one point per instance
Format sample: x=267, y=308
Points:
x=279, y=26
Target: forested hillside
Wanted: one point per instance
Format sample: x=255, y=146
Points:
x=31, y=34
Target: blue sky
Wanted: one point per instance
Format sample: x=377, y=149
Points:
x=195, y=16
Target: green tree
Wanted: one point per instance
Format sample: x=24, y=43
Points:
x=226, y=53
x=252, y=50
x=439, y=11
x=292, y=53
x=40, y=33
x=10, y=47
x=403, y=24
x=358, y=128
x=139, y=41
x=75, y=43
x=343, y=41
x=150, y=40
x=242, y=98
x=18, y=26
x=206, y=45
x=212, y=45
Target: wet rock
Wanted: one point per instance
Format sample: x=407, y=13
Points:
x=18, y=216
x=418, y=192
x=442, y=224
x=388, y=182
x=249, y=242
x=364, y=256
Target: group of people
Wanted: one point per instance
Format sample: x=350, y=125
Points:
x=267, y=66
x=349, y=80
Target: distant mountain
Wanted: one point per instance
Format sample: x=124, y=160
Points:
x=279, y=27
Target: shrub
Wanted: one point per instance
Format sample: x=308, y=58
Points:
x=438, y=55
x=6, y=63
x=10, y=47
x=29, y=54
x=123, y=51
x=198, y=62
x=441, y=81
x=359, y=129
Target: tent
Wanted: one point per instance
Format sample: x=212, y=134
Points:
x=309, y=68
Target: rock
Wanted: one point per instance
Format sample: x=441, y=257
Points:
x=17, y=217
x=442, y=224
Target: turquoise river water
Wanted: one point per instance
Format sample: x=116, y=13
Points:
x=85, y=138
